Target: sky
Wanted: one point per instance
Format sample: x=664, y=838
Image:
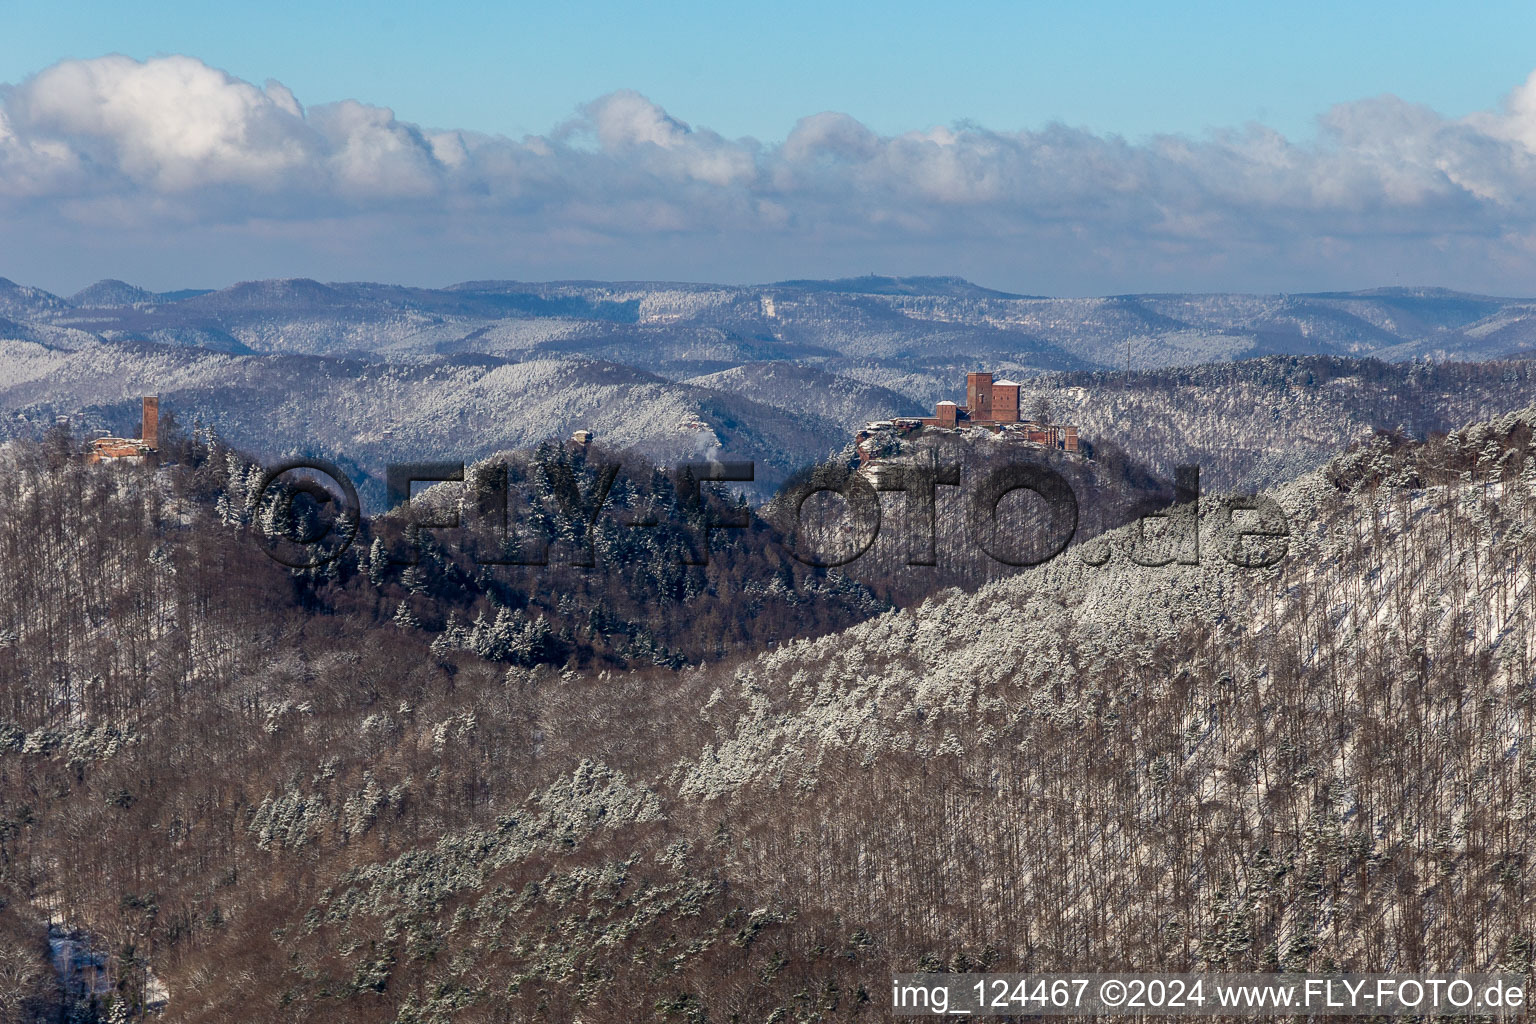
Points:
x=1047, y=148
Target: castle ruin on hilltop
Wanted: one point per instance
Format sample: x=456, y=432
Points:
x=141, y=449
x=989, y=405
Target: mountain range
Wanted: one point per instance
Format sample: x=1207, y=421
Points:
x=781, y=373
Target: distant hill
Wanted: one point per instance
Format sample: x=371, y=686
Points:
x=811, y=392
x=110, y=294
x=113, y=294
x=20, y=302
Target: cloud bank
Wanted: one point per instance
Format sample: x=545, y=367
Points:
x=193, y=168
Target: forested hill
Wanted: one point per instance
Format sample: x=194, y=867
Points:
x=1256, y=424
x=1320, y=764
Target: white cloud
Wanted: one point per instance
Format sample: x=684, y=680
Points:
x=370, y=154
x=632, y=129
x=172, y=123
x=1387, y=184
x=830, y=135
x=624, y=119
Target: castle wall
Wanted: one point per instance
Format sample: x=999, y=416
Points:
x=1005, y=403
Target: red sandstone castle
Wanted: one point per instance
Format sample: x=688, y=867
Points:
x=143, y=448
x=995, y=404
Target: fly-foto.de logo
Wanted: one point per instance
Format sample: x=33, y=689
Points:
x=309, y=513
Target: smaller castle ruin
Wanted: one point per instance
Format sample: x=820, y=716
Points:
x=144, y=448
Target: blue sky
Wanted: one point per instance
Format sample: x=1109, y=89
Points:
x=1062, y=148
x=1127, y=68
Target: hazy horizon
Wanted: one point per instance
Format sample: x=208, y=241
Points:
x=852, y=281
